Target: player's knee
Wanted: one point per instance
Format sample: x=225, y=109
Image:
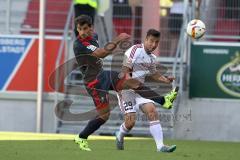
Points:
x=105, y=116
x=131, y=84
x=136, y=84
x=152, y=113
x=153, y=116
x=129, y=124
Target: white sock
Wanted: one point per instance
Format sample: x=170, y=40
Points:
x=156, y=131
x=122, y=131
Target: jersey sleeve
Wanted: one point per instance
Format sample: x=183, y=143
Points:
x=81, y=49
x=130, y=57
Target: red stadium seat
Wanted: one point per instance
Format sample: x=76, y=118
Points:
x=56, y=16
x=228, y=27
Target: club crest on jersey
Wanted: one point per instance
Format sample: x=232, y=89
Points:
x=91, y=47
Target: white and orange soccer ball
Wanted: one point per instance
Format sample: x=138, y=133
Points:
x=196, y=28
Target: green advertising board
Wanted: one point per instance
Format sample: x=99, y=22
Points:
x=215, y=70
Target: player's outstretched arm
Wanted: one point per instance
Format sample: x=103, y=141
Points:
x=103, y=52
x=157, y=77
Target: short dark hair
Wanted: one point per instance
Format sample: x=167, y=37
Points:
x=83, y=19
x=153, y=32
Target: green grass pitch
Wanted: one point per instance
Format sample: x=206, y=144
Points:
x=143, y=149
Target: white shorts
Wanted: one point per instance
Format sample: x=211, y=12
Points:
x=129, y=101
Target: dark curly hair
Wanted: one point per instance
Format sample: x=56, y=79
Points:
x=83, y=19
x=154, y=33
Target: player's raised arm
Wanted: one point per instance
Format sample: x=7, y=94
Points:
x=103, y=52
x=157, y=77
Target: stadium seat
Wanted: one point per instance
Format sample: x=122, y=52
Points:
x=56, y=15
x=227, y=27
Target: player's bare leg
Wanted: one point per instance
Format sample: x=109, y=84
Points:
x=127, y=125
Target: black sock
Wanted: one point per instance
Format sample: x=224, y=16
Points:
x=159, y=100
x=91, y=127
x=148, y=93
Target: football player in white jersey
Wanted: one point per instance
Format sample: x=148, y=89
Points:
x=139, y=62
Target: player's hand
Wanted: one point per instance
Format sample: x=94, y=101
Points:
x=123, y=37
x=171, y=78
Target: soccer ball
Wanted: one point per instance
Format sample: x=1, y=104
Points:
x=196, y=28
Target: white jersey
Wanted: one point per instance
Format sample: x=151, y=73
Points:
x=141, y=62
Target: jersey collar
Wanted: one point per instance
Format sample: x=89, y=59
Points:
x=88, y=38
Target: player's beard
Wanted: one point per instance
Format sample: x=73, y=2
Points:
x=90, y=33
x=150, y=50
x=84, y=36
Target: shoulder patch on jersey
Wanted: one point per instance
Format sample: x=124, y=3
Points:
x=91, y=47
x=134, y=49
